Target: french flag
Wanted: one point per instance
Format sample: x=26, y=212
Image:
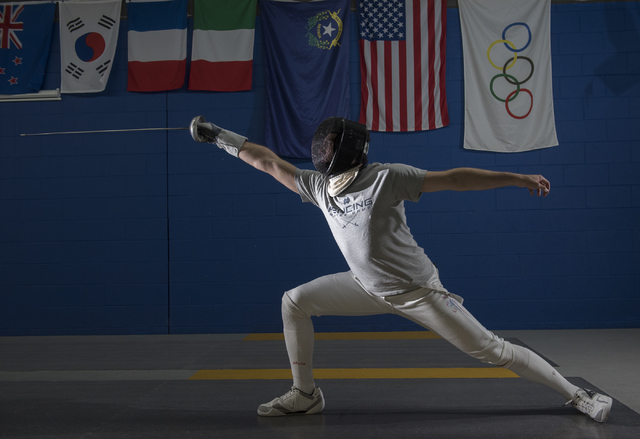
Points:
x=157, y=45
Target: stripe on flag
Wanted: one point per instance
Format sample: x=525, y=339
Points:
x=157, y=45
x=402, y=62
x=223, y=39
x=234, y=45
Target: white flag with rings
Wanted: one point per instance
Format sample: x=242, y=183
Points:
x=507, y=74
x=88, y=38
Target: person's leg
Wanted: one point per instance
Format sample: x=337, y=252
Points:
x=447, y=317
x=337, y=294
x=299, y=340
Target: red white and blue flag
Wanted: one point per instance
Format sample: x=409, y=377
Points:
x=402, y=63
x=157, y=45
x=25, y=37
x=88, y=39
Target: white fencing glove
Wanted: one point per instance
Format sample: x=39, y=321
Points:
x=206, y=132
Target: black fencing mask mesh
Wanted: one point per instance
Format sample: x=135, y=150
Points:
x=339, y=145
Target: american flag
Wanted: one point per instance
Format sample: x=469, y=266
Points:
x=402, y=64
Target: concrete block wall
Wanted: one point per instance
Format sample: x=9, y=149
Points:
x=83, y=218
x=153, y=233
x=570, y=260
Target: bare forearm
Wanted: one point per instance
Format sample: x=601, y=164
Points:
x=472, y=179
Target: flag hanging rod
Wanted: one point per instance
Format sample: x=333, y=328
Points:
x=104, y=131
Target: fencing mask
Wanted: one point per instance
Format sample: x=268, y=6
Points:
x=339, y=145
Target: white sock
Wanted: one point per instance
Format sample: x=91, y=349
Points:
x=299, y=339
x=532, y=367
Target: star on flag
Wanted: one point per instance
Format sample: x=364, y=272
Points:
x=328, y=30
x=14, y=80
x=382, y=20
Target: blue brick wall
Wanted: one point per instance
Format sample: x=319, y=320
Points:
x=83, y=218
x=153, y=233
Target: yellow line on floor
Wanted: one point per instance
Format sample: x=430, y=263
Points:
x=354, y=374
x=403, y=335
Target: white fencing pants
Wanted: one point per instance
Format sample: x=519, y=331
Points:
x=340, y=295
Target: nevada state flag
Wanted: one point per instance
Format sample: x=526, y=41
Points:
x=88, y=38
x=306, y=47
x=25, y=37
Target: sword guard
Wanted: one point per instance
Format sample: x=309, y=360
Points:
x=193, y=129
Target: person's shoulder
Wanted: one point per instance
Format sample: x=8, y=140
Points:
x=310, y=178
x=309, y=174
x=377, y=167
x=400, y=168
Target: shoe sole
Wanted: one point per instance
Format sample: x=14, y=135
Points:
x=275, y=412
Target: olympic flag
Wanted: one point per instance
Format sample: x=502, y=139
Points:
x=402, y=63
x=507, y=75
x=88, y=38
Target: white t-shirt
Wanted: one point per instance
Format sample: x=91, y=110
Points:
x=369, y=224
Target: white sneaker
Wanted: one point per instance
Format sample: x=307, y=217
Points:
x=594, y=404
x=294, y=402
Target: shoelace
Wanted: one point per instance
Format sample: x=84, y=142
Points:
x=582, y=402
x=289, y=393
x=585, y=405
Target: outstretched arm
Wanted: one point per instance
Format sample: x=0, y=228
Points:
x=472, y=179
x=258, y=156
x=265, y=160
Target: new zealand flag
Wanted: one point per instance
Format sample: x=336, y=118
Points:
x=25, y=37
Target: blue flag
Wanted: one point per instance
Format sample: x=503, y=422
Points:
x=307, y=70
x=25, y=37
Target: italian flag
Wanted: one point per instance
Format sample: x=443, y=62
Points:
x=223, y=35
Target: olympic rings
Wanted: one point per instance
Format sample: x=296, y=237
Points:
x=504, y=70
x=507, y=65
x=515, y=57
x=506, y=103
x=504, y=33
x=511, y=95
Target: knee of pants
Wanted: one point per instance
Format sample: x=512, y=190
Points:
x=497, y=352
x=290, y=305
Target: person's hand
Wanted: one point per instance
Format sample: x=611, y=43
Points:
x=537, y=185
x=204, y=132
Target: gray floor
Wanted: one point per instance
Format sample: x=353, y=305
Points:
x=138, y=386
x=608, y=358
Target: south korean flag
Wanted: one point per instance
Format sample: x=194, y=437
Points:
x=88, y=39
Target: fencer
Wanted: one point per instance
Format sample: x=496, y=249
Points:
x=389, y=273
